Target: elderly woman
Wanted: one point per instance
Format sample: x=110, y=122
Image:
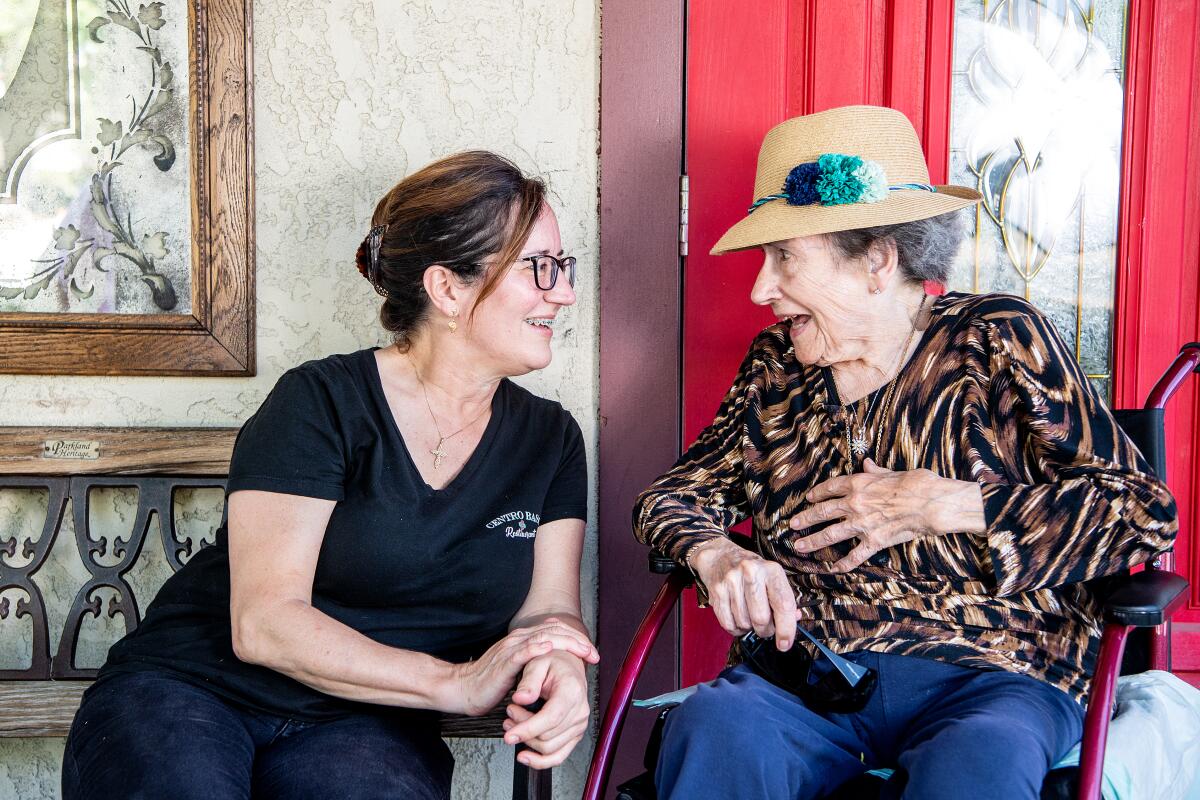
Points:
x=404, y=533
x=932, y=480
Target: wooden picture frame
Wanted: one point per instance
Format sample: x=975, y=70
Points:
x=217, y=337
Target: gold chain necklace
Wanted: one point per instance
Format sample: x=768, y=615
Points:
x=437, y=452
x=859, y=444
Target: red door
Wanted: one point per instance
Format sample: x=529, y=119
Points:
x=1107, y=244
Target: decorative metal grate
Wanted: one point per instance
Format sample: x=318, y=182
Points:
x=107, y=557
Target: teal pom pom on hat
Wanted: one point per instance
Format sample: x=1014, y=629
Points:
x=838, y=185
x=836, y=179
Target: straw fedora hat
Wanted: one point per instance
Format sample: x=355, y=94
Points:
x=837, y=170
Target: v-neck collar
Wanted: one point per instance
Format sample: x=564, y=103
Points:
x=477, y=455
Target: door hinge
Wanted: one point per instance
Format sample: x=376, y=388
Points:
x=683, y=215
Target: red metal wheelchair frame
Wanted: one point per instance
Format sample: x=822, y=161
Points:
x=1100, y=699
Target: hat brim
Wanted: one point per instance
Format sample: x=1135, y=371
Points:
x=776, y=221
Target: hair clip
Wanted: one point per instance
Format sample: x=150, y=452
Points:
x=374, y=241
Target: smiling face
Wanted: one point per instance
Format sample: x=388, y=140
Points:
x=514, y=325
x=825, y=299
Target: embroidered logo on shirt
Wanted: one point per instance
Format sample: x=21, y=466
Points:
x=525, y=526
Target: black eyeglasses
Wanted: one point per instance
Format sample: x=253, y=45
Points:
x=833, y=685
x=546, y=269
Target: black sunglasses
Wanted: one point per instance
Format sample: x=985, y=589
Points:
x=832, y=685
x=546, y=269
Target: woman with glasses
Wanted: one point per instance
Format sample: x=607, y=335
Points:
x=404, y=531
x=932, y=480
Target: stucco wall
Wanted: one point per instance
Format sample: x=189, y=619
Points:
x=350, y=95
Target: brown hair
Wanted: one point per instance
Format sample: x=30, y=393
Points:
x=455, y=212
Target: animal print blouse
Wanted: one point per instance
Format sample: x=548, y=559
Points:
x=991, y=394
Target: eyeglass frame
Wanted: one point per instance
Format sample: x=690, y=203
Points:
x=558, y=265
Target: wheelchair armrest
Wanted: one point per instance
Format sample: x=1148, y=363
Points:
x=1144, y=599
x=662, y=564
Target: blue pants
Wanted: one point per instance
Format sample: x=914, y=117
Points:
x=956, y=733
x=151, y=736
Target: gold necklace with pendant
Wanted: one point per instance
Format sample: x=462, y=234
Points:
x=437, y=452
x=858, y=444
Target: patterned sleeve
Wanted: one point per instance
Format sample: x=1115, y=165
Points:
x=1080, y=501
x=702, y=495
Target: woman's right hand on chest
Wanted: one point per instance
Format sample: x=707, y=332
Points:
x=745, y=591
x=479, y=685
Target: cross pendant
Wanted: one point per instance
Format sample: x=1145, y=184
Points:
x=438, y=454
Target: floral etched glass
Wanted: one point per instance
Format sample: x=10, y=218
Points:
x=95, y=208
x=1036, y=121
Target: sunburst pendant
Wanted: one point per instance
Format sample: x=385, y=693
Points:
x=859, y=444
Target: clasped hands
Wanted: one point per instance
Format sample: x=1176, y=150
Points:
x=878, y=507
x=551, y=659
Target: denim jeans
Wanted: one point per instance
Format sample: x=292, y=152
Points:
x=150, y=735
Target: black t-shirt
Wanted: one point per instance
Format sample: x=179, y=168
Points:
x=437, y=571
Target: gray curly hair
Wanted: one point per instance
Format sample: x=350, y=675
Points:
x=925, y=247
